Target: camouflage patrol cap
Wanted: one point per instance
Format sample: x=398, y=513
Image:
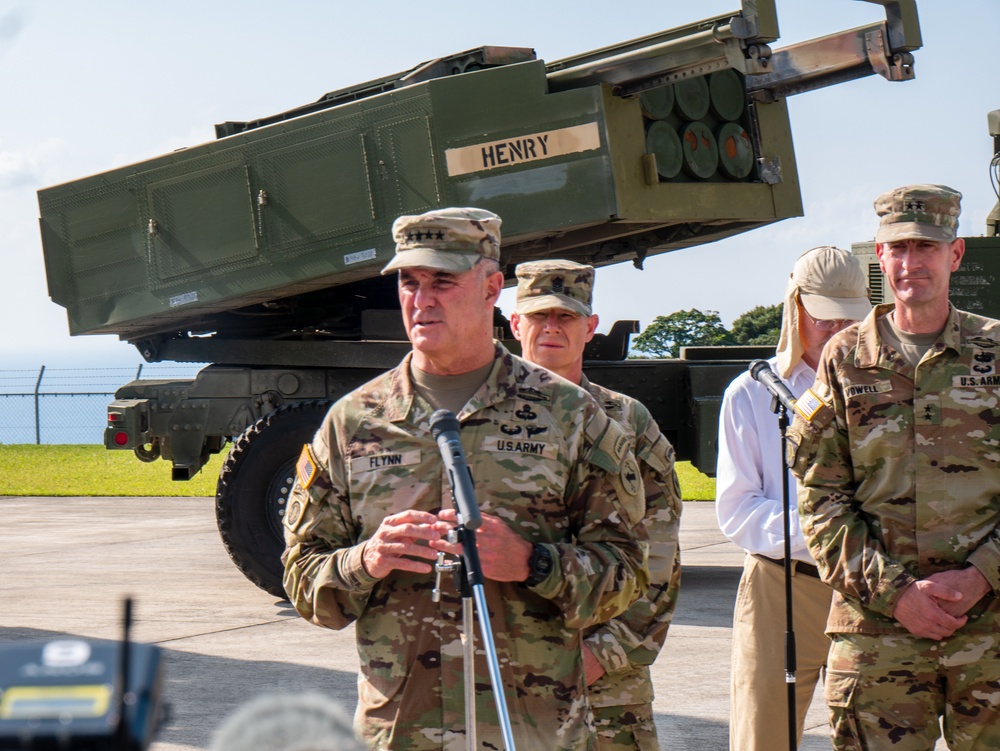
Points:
x=452, y=239
x=565, y=285
x=918, y=212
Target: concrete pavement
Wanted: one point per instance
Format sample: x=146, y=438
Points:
x=68, y=562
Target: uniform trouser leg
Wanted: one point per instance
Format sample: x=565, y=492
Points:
x=758, y=692
x=887, y=692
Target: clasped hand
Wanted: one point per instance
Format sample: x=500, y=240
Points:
x=935, y=607
x=411, y=540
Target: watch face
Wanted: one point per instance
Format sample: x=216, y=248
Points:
x=539, y=565
x=544, y=561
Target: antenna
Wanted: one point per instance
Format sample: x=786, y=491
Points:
x=121, y=731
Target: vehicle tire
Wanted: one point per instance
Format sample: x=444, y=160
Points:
x=253, y=488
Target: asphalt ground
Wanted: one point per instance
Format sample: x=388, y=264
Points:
x=67, y=564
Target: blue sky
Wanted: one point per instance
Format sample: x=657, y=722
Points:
x=87, y=87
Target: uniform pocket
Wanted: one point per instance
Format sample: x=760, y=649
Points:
x=840, y=687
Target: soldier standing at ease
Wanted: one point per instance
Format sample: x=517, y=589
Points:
x=900, y=497
x=554, y=477
x=553, y=320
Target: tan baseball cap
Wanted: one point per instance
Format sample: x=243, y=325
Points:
x=452, y=239
x=563, y=285
x=831, y=284
x=918, y=212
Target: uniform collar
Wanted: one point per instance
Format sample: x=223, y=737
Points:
x=872, y=353
x=405, y=405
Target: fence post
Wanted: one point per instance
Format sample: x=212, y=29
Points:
x=38, y=421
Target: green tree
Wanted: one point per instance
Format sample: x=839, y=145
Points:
x=761, y=325
x=665, y=336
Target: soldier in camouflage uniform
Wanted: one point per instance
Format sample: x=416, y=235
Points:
x=900, y=497
x=555, y=479
x=553, y=320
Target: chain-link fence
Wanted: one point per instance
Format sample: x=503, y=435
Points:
x=68, y=405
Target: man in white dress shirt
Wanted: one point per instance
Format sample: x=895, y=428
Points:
x=826, y=292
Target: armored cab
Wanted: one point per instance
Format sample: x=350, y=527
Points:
x=260, y=252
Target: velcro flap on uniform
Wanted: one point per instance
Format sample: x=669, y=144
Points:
x=613, y=454
x=610, y=446
x=657, y=451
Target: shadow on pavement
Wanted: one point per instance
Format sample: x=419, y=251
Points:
x=201, y=690
x=707, y=596
x=683, y=733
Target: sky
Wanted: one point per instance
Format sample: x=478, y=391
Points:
x=86, y=87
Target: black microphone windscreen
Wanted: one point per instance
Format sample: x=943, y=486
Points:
x=442, y=421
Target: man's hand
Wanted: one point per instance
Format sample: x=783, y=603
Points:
x=970, y=582
x=503, y=553
x=921, y=610
x=592, y=669
x=397, y=537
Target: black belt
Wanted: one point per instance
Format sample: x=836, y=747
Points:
x=797, y=566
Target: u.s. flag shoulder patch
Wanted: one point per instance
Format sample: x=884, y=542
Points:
x=306, y=467
x=808, y=405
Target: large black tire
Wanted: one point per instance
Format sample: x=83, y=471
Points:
x=253, y=488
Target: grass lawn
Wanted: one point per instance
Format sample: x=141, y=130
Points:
x=91, y=470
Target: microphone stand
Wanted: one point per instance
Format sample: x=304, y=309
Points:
x=469, y=573
x=779, y=408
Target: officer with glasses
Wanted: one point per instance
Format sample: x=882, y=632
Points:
x=826, y=292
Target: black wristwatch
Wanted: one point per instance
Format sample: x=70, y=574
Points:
x=539, y=565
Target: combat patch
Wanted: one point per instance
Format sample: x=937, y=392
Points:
x=630, y=476
x=306, y=467
x=505, y=445
x=975, y=380
x=857, y=389
x=371, y=462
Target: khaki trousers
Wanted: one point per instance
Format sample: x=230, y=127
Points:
x=758, y=691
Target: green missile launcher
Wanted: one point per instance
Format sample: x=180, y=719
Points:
x=261, y=252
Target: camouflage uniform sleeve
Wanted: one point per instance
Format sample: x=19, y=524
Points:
x=324, y=577
x=603, y=570
x=635, y=637
x=850, y=558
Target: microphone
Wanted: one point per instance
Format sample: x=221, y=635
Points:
x=444, y=428
x=761, y=372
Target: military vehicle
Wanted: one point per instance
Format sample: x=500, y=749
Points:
x=260, y=252
x=973, y=287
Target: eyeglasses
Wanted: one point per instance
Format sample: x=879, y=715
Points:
x=829, y=324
